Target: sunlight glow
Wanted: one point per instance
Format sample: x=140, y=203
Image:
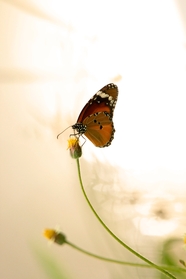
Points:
x=155, y=227
x=150, y=114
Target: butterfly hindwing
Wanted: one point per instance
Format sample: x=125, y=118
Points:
x=100, y=129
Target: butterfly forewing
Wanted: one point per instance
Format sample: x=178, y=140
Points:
x=104, y=100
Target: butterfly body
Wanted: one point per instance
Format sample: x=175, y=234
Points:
x=95, y=120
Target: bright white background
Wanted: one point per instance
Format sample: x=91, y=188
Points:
x=54, y=55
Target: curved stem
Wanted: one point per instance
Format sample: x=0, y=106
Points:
x=172, y=268
x=115, y=237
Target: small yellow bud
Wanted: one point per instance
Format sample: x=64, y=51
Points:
x=74, y=147
x=49, y=234
x=57, y=237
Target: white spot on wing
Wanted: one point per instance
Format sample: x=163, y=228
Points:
x=102, y=94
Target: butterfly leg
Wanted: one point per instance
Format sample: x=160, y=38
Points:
x=77, y=136
x=84, y=140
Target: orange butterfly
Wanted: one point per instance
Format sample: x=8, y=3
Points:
x=95, y=120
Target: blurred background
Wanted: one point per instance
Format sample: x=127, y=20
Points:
x=54, y=55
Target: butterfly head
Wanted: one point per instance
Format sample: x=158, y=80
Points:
x=80, y=128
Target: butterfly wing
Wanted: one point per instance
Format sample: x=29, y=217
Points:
x=100, y=129
x=95, y=119
x=104, y=100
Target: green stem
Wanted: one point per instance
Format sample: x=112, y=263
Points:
x=115, y=237
x=172, y=268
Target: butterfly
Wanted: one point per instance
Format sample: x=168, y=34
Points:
x=95, y=119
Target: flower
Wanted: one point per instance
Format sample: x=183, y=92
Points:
x=55, y=236
x=50, y=234
x=74, y=147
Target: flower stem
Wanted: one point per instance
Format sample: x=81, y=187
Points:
x=115, y=237
x=172, y=268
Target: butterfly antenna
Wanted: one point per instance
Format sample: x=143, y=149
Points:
x=63, y=132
